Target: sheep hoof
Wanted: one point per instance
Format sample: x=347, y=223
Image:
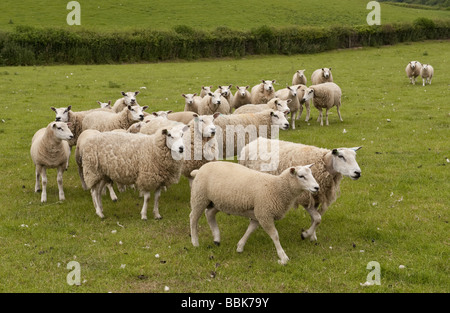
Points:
x=217, y=243
x=158, y=217
x=303, y=237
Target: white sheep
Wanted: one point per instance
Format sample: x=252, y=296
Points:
x=290, y=93
x=182, y=117
x=212, y=103
x=274, y=156
x=235, y=189
x=191, y=102
x=151, y=163
x=427, y=72
x=108, y=121
x=263, y=92
x=129, y=98
x=205, y=90
x=105, y=105
x=162, y=114
x=300, y=94
x=274, y=104
x=50, y=149
x=234, y=131
x=325, y=96
x=241, y=97
x=321, y=75
x=413, y=70
x=299, y=78
x=226, y=93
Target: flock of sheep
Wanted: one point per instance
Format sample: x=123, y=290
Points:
x=125, y=145
x=415, y=69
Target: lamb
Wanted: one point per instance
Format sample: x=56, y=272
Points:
x=427, y=72
x=105, y=105
x=151, y=163
x=236, y=130
x=274, y=104
x=129, y=98
x=290, y=93
x=235, y=189
x=191, y=102
x=212, y=103
x=413, y=70
x=226, y=93
x=241, y=97
x=263, y=92
x=274, y=156
x=107, y=121
x=299, y=78
x=50, y=149
x=300, y=94
x=325, y=96
x=205, y=90
x=322, y=75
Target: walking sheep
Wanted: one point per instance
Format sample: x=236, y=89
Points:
x=299, y=78
x=300, y=94
x=274, y=156
x=427, y=72
x=413, y=70
x=290, y=93
x=325, y=96
x=241, y=97
x=274, y=104
x=263, y=92
x=212, y=103
x=151, y=163
x=49, y=149
x=235, y=189
x=320, y=76
x=129, y=98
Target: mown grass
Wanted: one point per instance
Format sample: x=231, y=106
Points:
x=241, y=15
x=396, y=214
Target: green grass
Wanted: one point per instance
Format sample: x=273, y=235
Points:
x=242, y=15
x=397, y=213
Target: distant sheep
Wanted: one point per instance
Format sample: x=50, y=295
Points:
x=212, y=103
x=299, y=78
x=191, y=102
x=413, y=70
x=226, y=93
x=263, y=92
x=105, y=105
x=129, y=98
x=300, y=94
x=325, y=96
x=205, y=90
x=241, y=97
x=106, y=121
x=427, y=72
x=320, y=76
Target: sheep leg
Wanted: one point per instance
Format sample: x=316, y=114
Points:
x=37, y=186
x=339, y=112
x=80, y=173
x=251, y=228
x=191, y=179
x=320, y=117
x=269, y=227
x=98, y=198
x=293, y=120
x=112, y=194
x=194, y=216
x=59, y=179
x=44, y=184
x=423, y=81
x=308, y=110
x=211, y=218
x=144, y=207
x=316, y=218
x=299, y=112
x=156, y=204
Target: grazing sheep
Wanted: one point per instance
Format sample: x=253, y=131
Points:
x=235, y=189
x=274, y=104
x=236, y=130
x=300, y=94
x=151, y=163
x=205, y=90
x=427, y=72
x=241, y=97
x=413, y=70
x=191, y=102
x=226, y=93
x=212, y=103
x=329, y=168
x=105, y=105
x=263, y=92
x=290, y=93
x=299, y=78
x=49, y=149
x=129, y=98
x=325, y=96
x=182, y=117
x=107, y=121
x=320, y=76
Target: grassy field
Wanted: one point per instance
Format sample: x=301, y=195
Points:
x=396, y=214
x=126, y=14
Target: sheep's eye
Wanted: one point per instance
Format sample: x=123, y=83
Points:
x=59, y=128
x=341, y=157
x=301, y=176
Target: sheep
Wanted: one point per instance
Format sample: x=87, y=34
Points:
x=236, y=130
x=300, y=93
x=325, y=96
x=205, y=90
x=274, y=156
x=106, y=121
x=105, y=105
x=182, y=117
x=226, y=93
x=263, y=92
x=152, y=126
x=162, y=114
x=151, y=163
x=427, y=72
x=274, y=104
x=290, y=93
x=413, y=70
x=241, y=97
x=129, y=98
x=299, y=78
x=235, y=189
x=212, y=103
x=50, y=149
x=322, y=75
x=191, y=102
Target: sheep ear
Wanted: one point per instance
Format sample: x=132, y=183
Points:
x=210, y=94
x=109, y=102
x=170, y=111
x=195, y=115
x=263, y=81
x=335, y=152
x=273, y=81
x=69, y=124
x=99, y=102
x=54, y=109
x=136, y=93
x=292, y=170
x=330, y=69
x=145, y=107
x=155, y=114
x=124, y=94
x=237, y=87
x=185, y=128
x=216, y=115
x=183, y=95
x=230, y=86
x=322, y=69
x=355, y=148
x=272, y=113
x=129, y=107
x=195, y=94
x=309, y=165
x=289, y=100
x=69, y=108
x=164, y=132
x=53, y=125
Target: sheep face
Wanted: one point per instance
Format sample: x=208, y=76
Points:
x=413, y=64
x=130, y=97
x=301, y=73
x=308, y=95
x=105, y=105
x=206, y=89
x=304, y=177
x=162, y=114
x=344, y=162
x=225, y=90
x=242, y=90
x=204, y=124
x=61, y=130
x=174, y=140
x=189, y=98
x=268, y=85
x=215, y=98
x=279, y=119
x=293, y=90
x=62, y=114
x=137, y=112
x=282, y=105
x=326, y=72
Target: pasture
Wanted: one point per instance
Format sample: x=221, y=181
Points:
x=396, y=214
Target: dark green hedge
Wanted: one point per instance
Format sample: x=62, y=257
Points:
x=37, y=46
